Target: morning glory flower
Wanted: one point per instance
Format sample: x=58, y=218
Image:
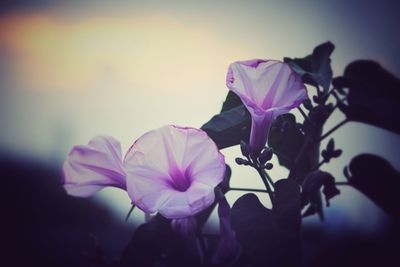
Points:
x=91, y=167
x=268, y=88
x=173, y=170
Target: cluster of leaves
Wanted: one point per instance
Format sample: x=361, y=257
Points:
x=365, y=93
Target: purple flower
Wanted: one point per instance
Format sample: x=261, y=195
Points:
x=173, y=171
x=91, y=167
x=268, y=88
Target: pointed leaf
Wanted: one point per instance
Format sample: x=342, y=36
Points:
x=232, y=101
x=374, y=95
x=275, y=232
x=331, y=145
x=286, y=142
x=315, y=69
x=229, y=127
x=316, y=180
x=376, y=178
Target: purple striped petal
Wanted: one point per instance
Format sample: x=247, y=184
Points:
x=173, y=170
x=89, y=168
x=268, y=88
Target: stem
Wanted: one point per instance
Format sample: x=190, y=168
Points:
x=269, y=179
x=338, y=100
x=303, y=113
x=248, y=189
x=129, y=212
x=320, y=164
x=331, y=91
x=318, y=91
x=340, y=124
x=342, y=183
x=267, y=186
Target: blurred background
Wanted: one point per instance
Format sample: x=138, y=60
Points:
x=71, y=70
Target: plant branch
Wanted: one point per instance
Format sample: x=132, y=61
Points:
x=343, y=183
x=340, y=124
x=129, y=212
x=248, y=189
x=267, y=186
x=269, y=178
x=320, y=164
x=303, y=113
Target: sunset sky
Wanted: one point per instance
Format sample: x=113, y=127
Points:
x=70, y=71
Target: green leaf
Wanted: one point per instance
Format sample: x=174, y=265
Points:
x=229, y=127
x=315, y=69
x=270, y=236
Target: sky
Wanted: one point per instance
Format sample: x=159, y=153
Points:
x=71, y=70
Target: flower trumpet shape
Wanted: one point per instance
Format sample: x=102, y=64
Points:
x=89, y=168
x=268, y=88
x=173, y=171
x=170, y=170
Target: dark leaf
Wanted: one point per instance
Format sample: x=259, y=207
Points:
x=376, y=178
x=244, y=148
x=228, y=249
x=331, y=145
x=148, y=243
x=155, y=243
x=316, y=180
x=288, y=143
x=325, y=155
x=270, y=237
x=232, y=101
x=315, y=207
x=287, y=207
x=336, y=153
x=315, y=69
x=229, y=127
x=374, y=95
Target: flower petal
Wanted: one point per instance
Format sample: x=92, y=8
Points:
x=173, y=170
x=91, y=167
x=267, y=88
